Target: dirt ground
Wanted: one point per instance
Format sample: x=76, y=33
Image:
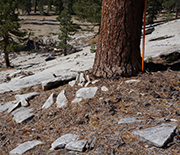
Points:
x=155, y=99
x=46, y=27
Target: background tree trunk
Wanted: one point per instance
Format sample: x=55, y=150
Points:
x=118, y=49
x=6, y=58
x=35, y=5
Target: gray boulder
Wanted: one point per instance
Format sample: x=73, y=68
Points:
x=76, y=145
x=22, y=114
x=61, y=99
x=85, y=93
x=49, y=101
x=24, y=147
x=63, y=140
x=56, y=82
x=158, y=136
x=24, y=98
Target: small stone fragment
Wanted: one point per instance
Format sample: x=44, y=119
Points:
x=82, y=80
x=76, y=145
x=63, y=140
x=129, y=120
x=72, y=83
x=87, y=84
x=77, y=100
x=158, y=136
x=24, y=147
x=132, y=81
x=95, y=81
x=49, y=101
x=61, y=99
x=13, y=107
x=104, y=88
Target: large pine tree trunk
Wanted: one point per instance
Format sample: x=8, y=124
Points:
x=118, y=49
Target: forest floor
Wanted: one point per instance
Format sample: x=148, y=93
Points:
x=155, y=100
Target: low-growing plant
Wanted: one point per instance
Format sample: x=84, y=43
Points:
x=93, y=48
x=149, y=59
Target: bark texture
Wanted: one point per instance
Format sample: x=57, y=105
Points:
x=118, y=49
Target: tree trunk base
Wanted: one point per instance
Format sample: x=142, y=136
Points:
x=118, y=49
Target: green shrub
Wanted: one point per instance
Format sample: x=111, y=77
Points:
x=93, y=48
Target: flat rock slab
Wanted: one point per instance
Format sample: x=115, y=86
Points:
x=13, y=107
x=76, y=145
x=49, y=101
x=77, y=100
x=27, y=96
x=24, y=98
x=158, y=136
x=61, y=99
x=22, y=114
x=24, y=147
x=85, y=93
x=6, y=106
x=56, y=82
x=132, y=81
x=63, y=140
x=129, y=120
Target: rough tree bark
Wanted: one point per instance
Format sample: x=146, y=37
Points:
x=118, y=48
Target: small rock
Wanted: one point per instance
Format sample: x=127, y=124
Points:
x=82, y=80
x=62, y=141
x=76, y=145
x=22, y=114
x=24, y=103
x=24, y=147
x=72, y=83
x=128, y=120
x=87, y=84
x=77, y=100
x=24, y=98
x=86, y=92
x=132, y=81
x=13, y=107
x=95, y=81
x=104, y=88
x=49, y=101
x=61, y=99
x=6, y=106
x=158, y=136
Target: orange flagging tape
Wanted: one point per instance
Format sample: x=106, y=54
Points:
x=145, y=6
